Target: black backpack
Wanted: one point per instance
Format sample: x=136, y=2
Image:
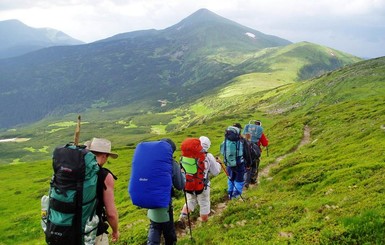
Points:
x=253, y=152
x=71, y=217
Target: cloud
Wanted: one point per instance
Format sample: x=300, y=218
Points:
x=326, y=22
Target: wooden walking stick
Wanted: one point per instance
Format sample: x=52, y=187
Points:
x=77, y=132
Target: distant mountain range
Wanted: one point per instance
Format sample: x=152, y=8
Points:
x=201, y=53
x=17, y=38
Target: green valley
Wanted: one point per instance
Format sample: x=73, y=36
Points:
x=329, y=191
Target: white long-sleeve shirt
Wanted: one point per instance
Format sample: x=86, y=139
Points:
x=212, y=167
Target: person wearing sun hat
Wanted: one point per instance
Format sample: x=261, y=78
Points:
x=106, y=209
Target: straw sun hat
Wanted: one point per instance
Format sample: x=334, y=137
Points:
x=101, y=145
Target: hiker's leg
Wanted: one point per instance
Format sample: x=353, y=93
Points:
x=230, y=180
x=191, y=204
x=238, y=188
x=204, y=204
x=154, y=233
x=169, y=229
x=230, y=188
x=257, y=169
x=239, y=180
x=247, y=177
x=252, y=173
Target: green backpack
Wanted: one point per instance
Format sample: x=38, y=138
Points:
x=71, y=216
x=232, y=148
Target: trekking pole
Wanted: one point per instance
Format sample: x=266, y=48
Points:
x=228, y=176
x=267, y=151
x=188, y=215
x=77, y=132
x=188, y=211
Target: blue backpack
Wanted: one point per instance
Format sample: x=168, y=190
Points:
x=255, y=132
x=71, y=216
x=150, y=184
x=232, y=148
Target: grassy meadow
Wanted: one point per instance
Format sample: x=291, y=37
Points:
x=329, y=191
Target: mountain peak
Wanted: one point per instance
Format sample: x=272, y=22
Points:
x=17, y=38
x=203, y=15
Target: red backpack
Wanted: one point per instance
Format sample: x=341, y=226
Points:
x=192, y=162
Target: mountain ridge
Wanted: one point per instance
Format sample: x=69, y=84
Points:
x=132, y=69
x=16, y=38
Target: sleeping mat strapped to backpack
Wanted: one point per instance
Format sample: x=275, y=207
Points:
x=151, y=175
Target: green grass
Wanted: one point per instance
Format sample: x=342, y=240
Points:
x=329, y=191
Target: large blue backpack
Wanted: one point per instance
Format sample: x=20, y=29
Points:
x=254, y=130
x=232, y=148
x=71, y=215
x=150, y=184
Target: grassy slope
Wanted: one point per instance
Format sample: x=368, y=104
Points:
x=329, y=191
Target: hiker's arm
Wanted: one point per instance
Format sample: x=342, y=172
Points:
x=178, y=178
x=264, y=141
x=111, y=212
x=215, y=167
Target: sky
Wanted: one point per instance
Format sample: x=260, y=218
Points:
x=353, y=26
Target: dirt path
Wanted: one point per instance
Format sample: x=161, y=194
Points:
x=218, y=209
x=305, y=140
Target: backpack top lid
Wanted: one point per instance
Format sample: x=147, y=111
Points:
x=191, y=147
x=232, y=133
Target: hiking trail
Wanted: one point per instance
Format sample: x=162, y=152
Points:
x=218, y=209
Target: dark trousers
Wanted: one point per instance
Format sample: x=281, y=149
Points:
x=251, y=174
x=165, y=228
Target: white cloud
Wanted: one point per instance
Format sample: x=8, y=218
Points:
x=327, y=22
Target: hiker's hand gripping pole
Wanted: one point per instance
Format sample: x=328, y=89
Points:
x=223, y=167
x=77, y=132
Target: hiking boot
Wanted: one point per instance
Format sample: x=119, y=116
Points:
x=181, y=224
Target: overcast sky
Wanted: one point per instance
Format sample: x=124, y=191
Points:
x=353, y=26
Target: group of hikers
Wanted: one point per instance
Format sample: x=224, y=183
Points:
x=63, y=223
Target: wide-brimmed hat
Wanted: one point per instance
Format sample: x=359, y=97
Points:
x=101, y=145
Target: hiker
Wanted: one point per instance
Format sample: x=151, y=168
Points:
x=106, y=209
x=234, y=150
x=162, y=219
x=257, y=139
x=211, y=167
x=69, y=209
x=252, y=153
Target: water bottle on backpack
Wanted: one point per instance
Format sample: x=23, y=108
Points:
x=44, y=211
